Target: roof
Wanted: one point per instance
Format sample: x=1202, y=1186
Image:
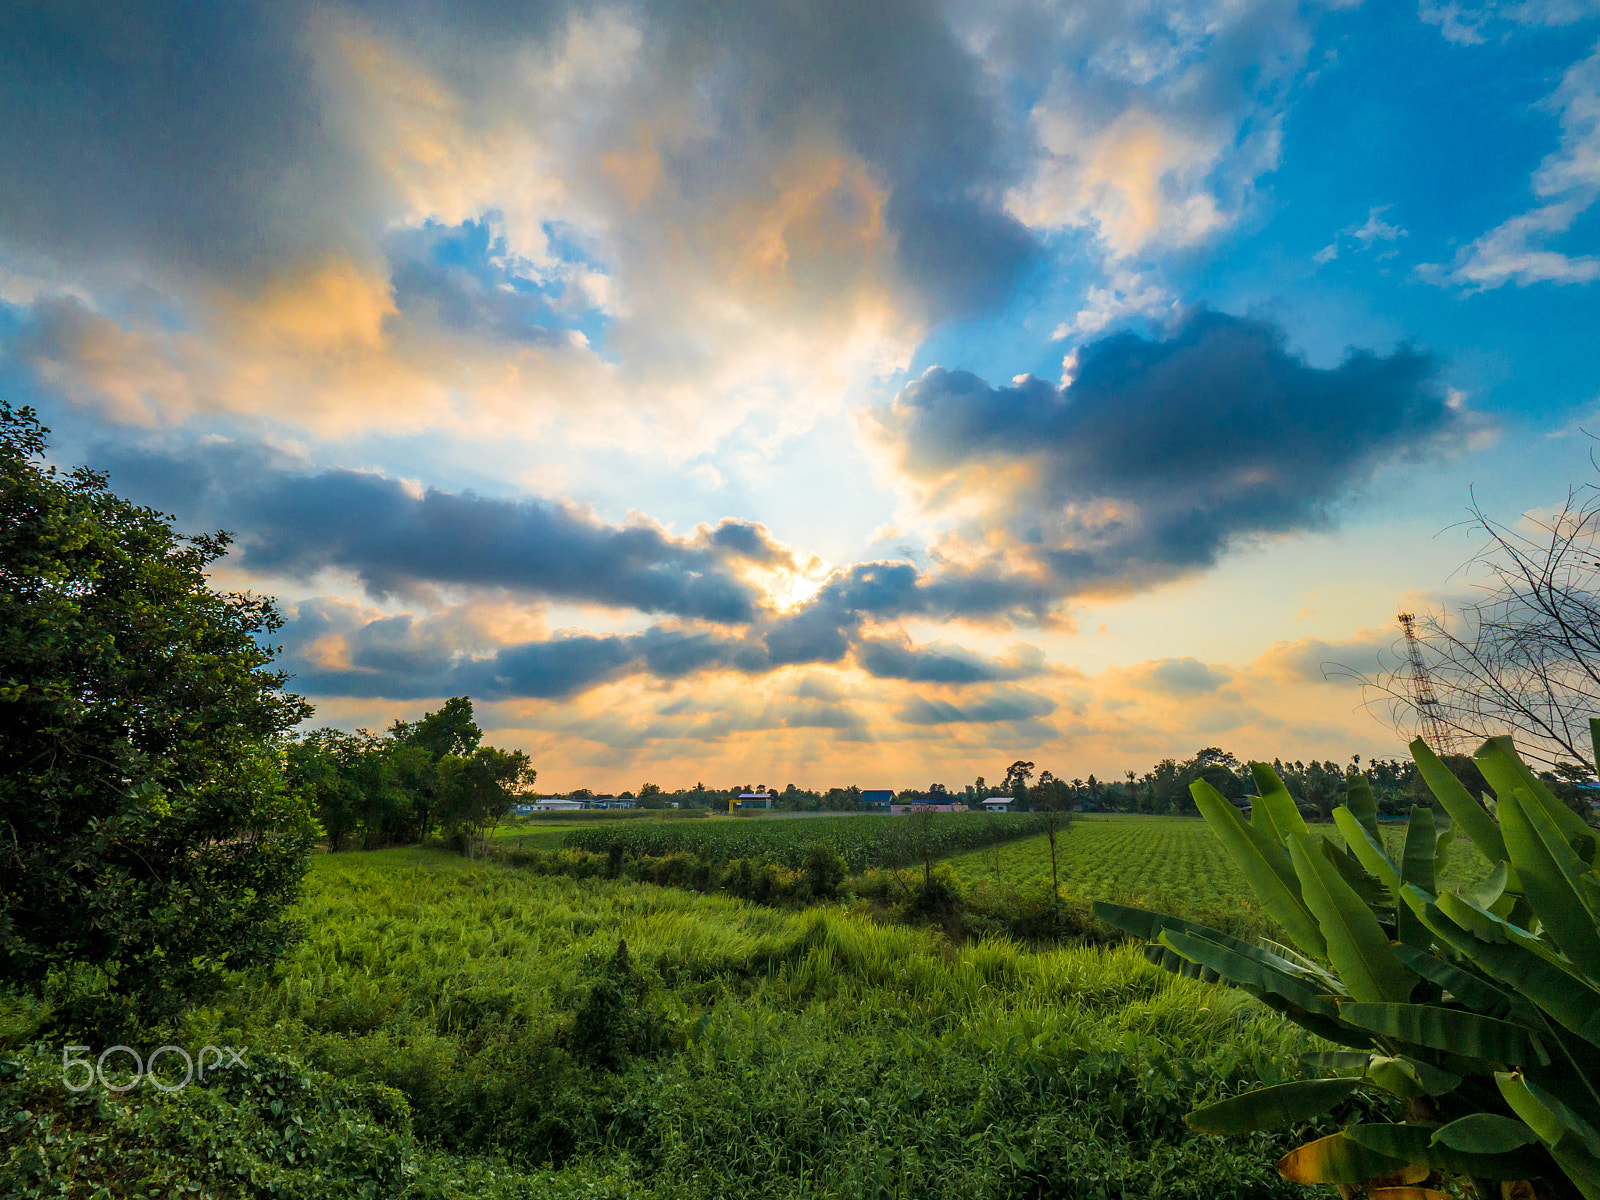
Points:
x=880, y=796
x=755, y=795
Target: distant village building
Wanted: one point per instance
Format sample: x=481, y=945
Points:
x=755, y=799
x=878, y=799
x=926, y=805
x=997, y=804
x=554, y=804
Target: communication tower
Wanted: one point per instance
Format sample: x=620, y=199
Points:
x=1435, y=731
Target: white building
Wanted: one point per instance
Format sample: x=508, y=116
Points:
x=997, y=804
x=557, y=804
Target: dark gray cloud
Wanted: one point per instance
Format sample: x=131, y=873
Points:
x=299, y=523
x=186, y=134
x=1164, y=451
x=220, y=142
x=937, y=662
x=333, y=649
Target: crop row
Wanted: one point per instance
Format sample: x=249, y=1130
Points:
x=862, y=841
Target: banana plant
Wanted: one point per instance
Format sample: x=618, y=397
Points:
x=1475, y=1008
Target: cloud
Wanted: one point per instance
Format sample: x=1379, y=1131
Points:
x=1180, y=677
x=1465, y=24
x=1160, y=454
x=941, y=662
x=1374, y=229
x=1001, y=705
x=397, y=539
x=1151, y=126
x=1567, y=184
x=1370, y=653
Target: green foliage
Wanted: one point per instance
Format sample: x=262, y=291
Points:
x=149, y=840
x=1476, y=1009
x=864, y=841
x=784, y=1053
x=427, y=774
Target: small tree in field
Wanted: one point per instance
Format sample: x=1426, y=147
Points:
x=147, y=837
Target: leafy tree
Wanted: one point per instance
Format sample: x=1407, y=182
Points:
x=480, y=788
x=1017, y=775
x=147, y=835
x=450, y=730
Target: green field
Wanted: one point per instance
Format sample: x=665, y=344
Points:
x=863, y=841
x=784, y=1053
x=1172, y=864
x=455, y=1027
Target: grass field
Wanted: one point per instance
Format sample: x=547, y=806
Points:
x=735, y=1050
x=773, y=1053
x=863, y=841
x=1172, y=863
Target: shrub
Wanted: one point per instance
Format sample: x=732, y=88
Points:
x=150, y=843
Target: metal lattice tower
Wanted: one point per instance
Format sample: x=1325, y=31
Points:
x=1436, y=731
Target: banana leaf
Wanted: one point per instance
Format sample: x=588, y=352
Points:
x=1238, y=969
x=1414, y=1144
x=1329, y=1029
x=1409, y=1078
x=1546, y=1114
x=1445, y=839
x=1416, y=868
x=1368, y=849
x=1358, y=798
x=1464, y=915
x=1167, y=959
x=1370, y=890
x=1277, y=1107
x=1266, y=869
x=1279, y=814
x=1571, y=1002
x=1497, y=758
x=1356, y=946
x=1458, y=802
x=1337, y=1158
x=1573, y=1151
x=1450, y=1029
x=1465, y=987
x=1484, y=1133
x=1422, y=842
x=1490, y=888
x=1148, y=925
x=1551, y=875
x=1336, y=1060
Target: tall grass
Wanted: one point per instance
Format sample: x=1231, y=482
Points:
x=774, y=1052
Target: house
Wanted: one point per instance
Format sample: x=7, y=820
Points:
x=755, y=799
x=878, y=799
x=926, y=804
x=997, y=804
x=553, y=804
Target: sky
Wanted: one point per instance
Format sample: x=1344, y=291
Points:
x=819, y=392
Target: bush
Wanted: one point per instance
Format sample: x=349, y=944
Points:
x=824, y=871
x=150, y=843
